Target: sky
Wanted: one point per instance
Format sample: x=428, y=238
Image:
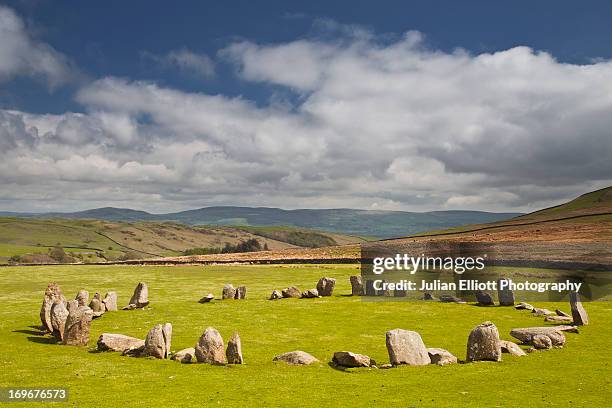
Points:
x=387, y=105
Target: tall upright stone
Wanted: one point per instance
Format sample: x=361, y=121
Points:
x=325, y=286
x=484, y=298
x=483, y=343
x=96, y=304
x=234, y=350
x=53, y=293
x=241, y=292
x=406, y=347
x=357, y=288
x=78, y=324
x=140, y=298
x=158, y=341
x=369, y=288
x=59, y=314
x=505, y=295
x=110, y=301
x=210, y=348
x=82, y=297
x=579, y=314
x=228, y=292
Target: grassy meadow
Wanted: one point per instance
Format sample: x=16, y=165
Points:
x=578, y=375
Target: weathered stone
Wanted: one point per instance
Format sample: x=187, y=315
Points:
x=296, y=357
x=526, y=335
x=185, y=356
x=541, y=342
x=96, y=305
x=557, y=339
x=445, y=298
x=441, y=357
x=53, y=293
x=291, y=292
x=140, y=298
x=541, y=312
x=369, y=288
x=484, y=298
x=310, y=293
x=82, y=297
x=580, y=315
x=210, y=348
x=428, y=296
x=135, y=351
x=59, y=314
x=118, y=342
x=511, y=348
x=505, y=295
x=78, y=324
x=155, y=343
x=524, y=306
x=325, y=286
x=483, y=343
x=357, y=288
x=167, y=333
x=110, y=301
x=560, y=312
x=558, y=319
x=384, y=290
x=399, y=293
x=229, y=292
x=241, y=292
x=234, y=350
x=349, y=359
x=276, y=294
x=406, y=347
x=207, y=298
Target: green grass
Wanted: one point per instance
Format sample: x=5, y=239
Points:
x=578, y=374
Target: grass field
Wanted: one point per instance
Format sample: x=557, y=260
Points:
x=577, y=375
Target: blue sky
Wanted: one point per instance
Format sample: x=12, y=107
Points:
x=420, y=105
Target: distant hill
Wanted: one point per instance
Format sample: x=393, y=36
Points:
x=365, y=223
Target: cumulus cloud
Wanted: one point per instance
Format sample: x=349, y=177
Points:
x=375, y=124
x=22, y=55
x=200, y=65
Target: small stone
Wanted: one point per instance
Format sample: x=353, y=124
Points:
x=357, y=288
x=445, y=298
x=234, y=350
x=82, y=297
x=207, y=298
x=484, y=298
x=210, y=348
x=579, y=313
x=228, y=292
x=441, y=357
x=118, y=342
x=297, y=357
x=483, y=343
x=241, y=292
x=524, y=306
x=276, y=294
x=406, y=347
x=185, y=356
x=291, y=292
x=369, y=288
x=511, y=348
x=310, y=293
x=558, y=319
x=325, y=286
x=541, y=312
x=541, y=342
x=525, y=334
x=110, y=301
x=349, y=359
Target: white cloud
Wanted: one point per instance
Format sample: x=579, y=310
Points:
x=22, y=55
x=197, y=64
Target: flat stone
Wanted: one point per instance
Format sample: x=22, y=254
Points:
x=406, y=347
x=445, y=298
x=185, y=356
x=207, y=298
x=441, y=357
x=541, y=342
x=118, y=342
x=325, y=286
x=310, y=293
x=511, y=348
x=542, y=312
x=297, y=357
x=291, y=292
x=229, y=292
x=527, y=334
x=558, y=319
x=349, y=359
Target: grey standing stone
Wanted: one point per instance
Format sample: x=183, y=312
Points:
x=349, y=359
x=78, y=324
x=140, y=298
x=82, y=297
x=229, y=292
x=96, y=305
x=428, y=296
x=310, y=294
x=325, y=286
x=110, y=301
x=406, y=347
x=483, y=343
x=505, y=295
x=167, y=333
x=185, y=356
x=234, y=350
x=357, y=288
x=369, y=288
x=210, y=348
x=291, y=292
x=297, y=357
x=53, y=293
x=579, y=314
x=484, y=298
x=59, y=314
x=207, y=298
x=511, y=348
x=241, y=292
x=441, y=357
x=276, y=294
x=155, y=345
x=399, y=293
x=118, y=342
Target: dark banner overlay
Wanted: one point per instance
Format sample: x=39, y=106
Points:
x=473, y=271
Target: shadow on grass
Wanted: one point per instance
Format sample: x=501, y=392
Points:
x=31, y=332
x=43, y=340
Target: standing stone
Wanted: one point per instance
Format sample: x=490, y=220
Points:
x=78, y=324
x=357, y=285
x=53, y=293
x=59, y=314
x=158, y=341
x=484, y=298
x=234, y=350
x=207, y=298
x=241, y=292
x=505, y=295
x=167, y=333
x=276, y=294
x=349, y=359
x=185, y=356
x=441, y=357
x=291, y=292
x=82, y=297
x=406, y=347
x=310, y=294
x=118, y=342
x=369, y=288
x=399, y=293
x=483, y=343
x=579, y=314
x=325, y=286
x=140, y=298
x=228, y=292
x=210, y=348
x=110, y=301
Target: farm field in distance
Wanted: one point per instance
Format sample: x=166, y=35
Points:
x=575, y=375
